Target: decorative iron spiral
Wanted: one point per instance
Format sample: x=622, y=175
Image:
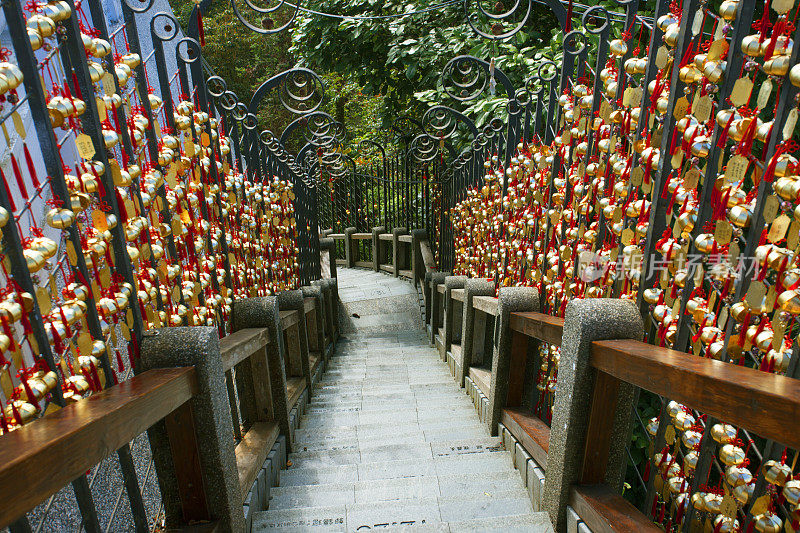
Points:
x=301, y=91
x=497, y=23
x=424, y=147
x=266, y=25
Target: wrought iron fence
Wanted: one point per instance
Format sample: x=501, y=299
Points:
x=655, y=164
x=136, y=193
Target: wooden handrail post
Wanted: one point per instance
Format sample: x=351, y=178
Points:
x=452, y=321
x=398, y=260
x=472, y=287
x=437, y=278
x=349, y=244
x=298, y=348
x=417, y=263
x=583, y=403
x=426, y=296
x=197, y=482
x=263, y=312
x=509, y=300
x=377, y=247
x=316, y=333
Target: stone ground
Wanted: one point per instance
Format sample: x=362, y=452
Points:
x=389, y=441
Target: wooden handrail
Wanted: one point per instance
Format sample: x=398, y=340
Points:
x=240, y=345
x=386, y=237
x=427, y=256
x=487, y=304
x=362, y=236
x=308, y=304
x=252, y=451
x=440, y=288
x=289, y=318
x=539, y=326
x=38, y=459
x=765, y=403
x=404, y=238
x=605, y=511
x=336, y=235
x=457, y=294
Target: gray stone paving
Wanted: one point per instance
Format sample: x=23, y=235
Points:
x=389, y=441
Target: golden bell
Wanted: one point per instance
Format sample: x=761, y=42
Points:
x=794, y=75
x=618, y=48
x=791, y=491
x=45, y=26
x=131, y=59
x=777, y=66
x=96, y=71
x=789, y=301
x=751, y=46
x=34, y=260
x=742, y=493
x=731, y=455
x=735, y=476
x=725, y=524
x=671, y=34
x=776, y=473
x=768, y=523
x=728, y=9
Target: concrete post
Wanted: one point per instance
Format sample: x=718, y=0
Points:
x=377, y=247
x=586, y=321
x=349, y=256
x=437, y=278
x=509, y=299
x=417, y=264
x=293, y=301
x=396, y=255
x=450, y=320
x=264, y=312
x=472, y=288
x=330, y=245
x=197, y=346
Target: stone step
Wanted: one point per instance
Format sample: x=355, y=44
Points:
x=330, y=441
x=396, y=488
x=386, y=428
x=399, y=512
x=376, y=451
x=447, y=465
x=368, y=417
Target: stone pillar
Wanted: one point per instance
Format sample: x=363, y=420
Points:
x=349, y=256
x=472, y=287
x=396, y=254
x=586, y=321
x=330, y=290
x=377, y=247
x=450, y=320
x=330, y=245
x=509, y=300
x=293, y=301
x=197, y=346
x=263, y=312
x=437, y=278
x=417, y=264
x=325, y=233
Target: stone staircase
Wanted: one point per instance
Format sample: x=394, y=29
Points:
x=388, y=440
